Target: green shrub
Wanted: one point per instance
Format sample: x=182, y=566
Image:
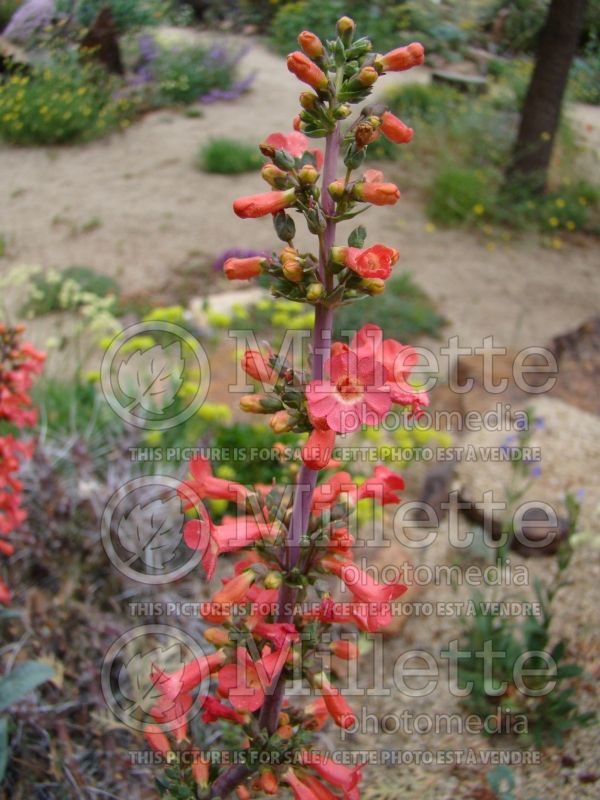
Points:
x=459, y=195
x=184, y=74
x=62, y=101
x=584, y=84
x=47, y=292
x=404, y=311
x=7, y=9
x=229, y=157
x=521, y=24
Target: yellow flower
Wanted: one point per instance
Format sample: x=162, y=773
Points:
x=430, y=227
x=545, y=136
x=560, y=203
x=583, y=201
x=556, y=243
x=490, y=246
x=478, y=209
x=570, y=225
x=553, y=221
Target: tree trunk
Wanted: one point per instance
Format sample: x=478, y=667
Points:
x=541, y=111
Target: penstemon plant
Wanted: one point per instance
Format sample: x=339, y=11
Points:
x=272, y=621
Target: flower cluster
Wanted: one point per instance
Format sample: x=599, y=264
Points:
x=274, y=619
x=19, y=362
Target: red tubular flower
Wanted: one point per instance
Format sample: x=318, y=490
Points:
x=370, y=262
x=242, y=269
x=259, y=205
x=279, y=633
x=173, y=712
x=204, y=484
x=364, y=588
x=301, y=790
x=255, y=365
x=398, y=359
x=335, y=774
x=355, y=394
x=376, y=192
x=317, y=451
x=182, y=681
x=214, y=710
x=328, y=492
x=200, y=768
x=307, y=72
x=235, y=589
x=268, y=782
x=403, y=58
x=394, y=129
x=296, y=144
x=316, y=714
x=341, y=713
x=244, y=682
x=311, y=44
x=320, y=791
x=344, y=649
x=157, y=739
x=383, y=486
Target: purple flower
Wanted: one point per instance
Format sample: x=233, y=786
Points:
x=535, y=471
x=234, y=91
x=235, y=252
x=29, y=18
x=539, y=423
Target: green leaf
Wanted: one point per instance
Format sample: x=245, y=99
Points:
x=357, y=237
x=23, y=678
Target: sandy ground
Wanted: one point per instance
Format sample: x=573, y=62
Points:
x=157, y=217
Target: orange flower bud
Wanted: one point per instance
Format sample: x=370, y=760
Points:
x=345, y=25
x=217, y=636
x=403, y=58
x=235, y=590
x=394, y=129
x=367, y=76
x=285, y=732
x=256, y=367
x=260, y=403
x=273, y=175
x=243, y=268
x=308, y=100
x=307, y=72
x=297, y=123
x=311, y=44
x=379, y=194
x=259, y=205
x=293, y=271
x=345, y=649
x=308, y=175
x=340, y=711
x=281, y=422
x=157, y=739
x=243, y=793
x=268, y=782
x=200, y=768
x=365, y=134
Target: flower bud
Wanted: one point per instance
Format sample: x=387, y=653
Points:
x=377, y=193
x=314, y=292
x=285, y=732
x=297, y=123
x=217, y=636
x=307, y=72
x=243, y=268
x=394, y=129
x=365, y=134
x=282, y=422
x=260, y=403
x=343, y=111
x=256, y=367
x=259, y=205
x=311, y=44
x=338, y=254
x=308, y=175
x=342, y=648
x=403, y=58
x=293, y=271
x=274, y=176
x=268, y=782
x=273, y=580
x=373, y=286
x=367, y=76
x=337, y=189
x=308, y=101
x=345, y=28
